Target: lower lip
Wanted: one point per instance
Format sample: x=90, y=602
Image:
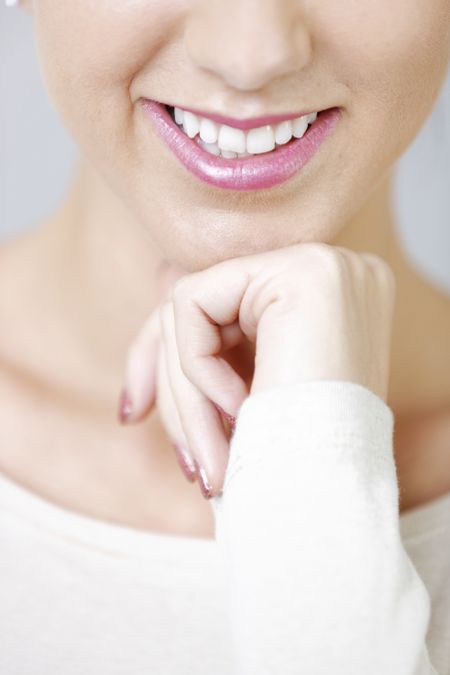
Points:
x=254, y=172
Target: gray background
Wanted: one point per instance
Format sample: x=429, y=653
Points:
x=36, y=158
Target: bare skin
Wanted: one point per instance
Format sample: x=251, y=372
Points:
x=62, y=352
x=75, y=291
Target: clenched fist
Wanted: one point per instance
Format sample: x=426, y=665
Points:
x=314, y=312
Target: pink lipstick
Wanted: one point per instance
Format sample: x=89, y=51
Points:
x=253, y=172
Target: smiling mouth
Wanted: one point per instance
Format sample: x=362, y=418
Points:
x=233, y=158
x=230, y=142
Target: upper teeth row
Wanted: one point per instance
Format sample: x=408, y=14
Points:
x=230, y=139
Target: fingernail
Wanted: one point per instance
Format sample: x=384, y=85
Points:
x=186, y=462
x=205, y=485
x=125, y=408
x=229, y=418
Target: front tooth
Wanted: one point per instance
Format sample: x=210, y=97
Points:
x=191, y=124
x=312, y=117
x=209, y=130
x=299, y=126
x=283, y=132
x=179, y=115
x=260, y=140
x=231, y=139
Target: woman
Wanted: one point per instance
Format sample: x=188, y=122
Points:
x=233, y=191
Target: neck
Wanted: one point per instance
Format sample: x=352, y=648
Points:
x=109, y=262
x=419, y=378
x=109, y=265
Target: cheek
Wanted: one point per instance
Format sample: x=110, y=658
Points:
x=89, y=54
x=391, y=56
x=389, y=49
x=374, y=35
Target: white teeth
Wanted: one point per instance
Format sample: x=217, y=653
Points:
x=260, y=140
x=179, y=115
x=231, y=139
x=191, y=124
x=299, y=126
x=230, y=142
x=212, y=148
x=283, y=132
x=209, y=130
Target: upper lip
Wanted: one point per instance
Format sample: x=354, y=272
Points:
x=250, y=122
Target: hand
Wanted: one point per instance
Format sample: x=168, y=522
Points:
x=147, y=383
x=138, y=395
x=315, y=312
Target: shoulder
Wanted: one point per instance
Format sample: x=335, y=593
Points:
x=19, y=390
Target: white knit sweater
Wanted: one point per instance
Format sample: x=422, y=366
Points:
x=312, y=571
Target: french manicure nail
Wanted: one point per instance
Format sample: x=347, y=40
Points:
x=186, y=462
x=205, y=485
x=229, y=418
x=125, y=408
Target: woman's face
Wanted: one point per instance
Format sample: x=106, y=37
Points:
x=382, y=63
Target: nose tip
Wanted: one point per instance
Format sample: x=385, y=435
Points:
x=253, y=69
x=247, y=51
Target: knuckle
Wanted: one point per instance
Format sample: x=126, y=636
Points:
x=313, y=263
x=181, y=289
x=388, y=274
x=329, y=255
x=328, y=260
x=318, y=250
x=350, y=257
x=315, y=257
x=382, y=270
x=316, y=265
x=373, y=259
x=358, y=266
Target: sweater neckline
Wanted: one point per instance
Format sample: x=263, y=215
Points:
x=119, y=539
x=101, y=535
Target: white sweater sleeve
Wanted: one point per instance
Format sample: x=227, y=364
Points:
x=308, y=529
